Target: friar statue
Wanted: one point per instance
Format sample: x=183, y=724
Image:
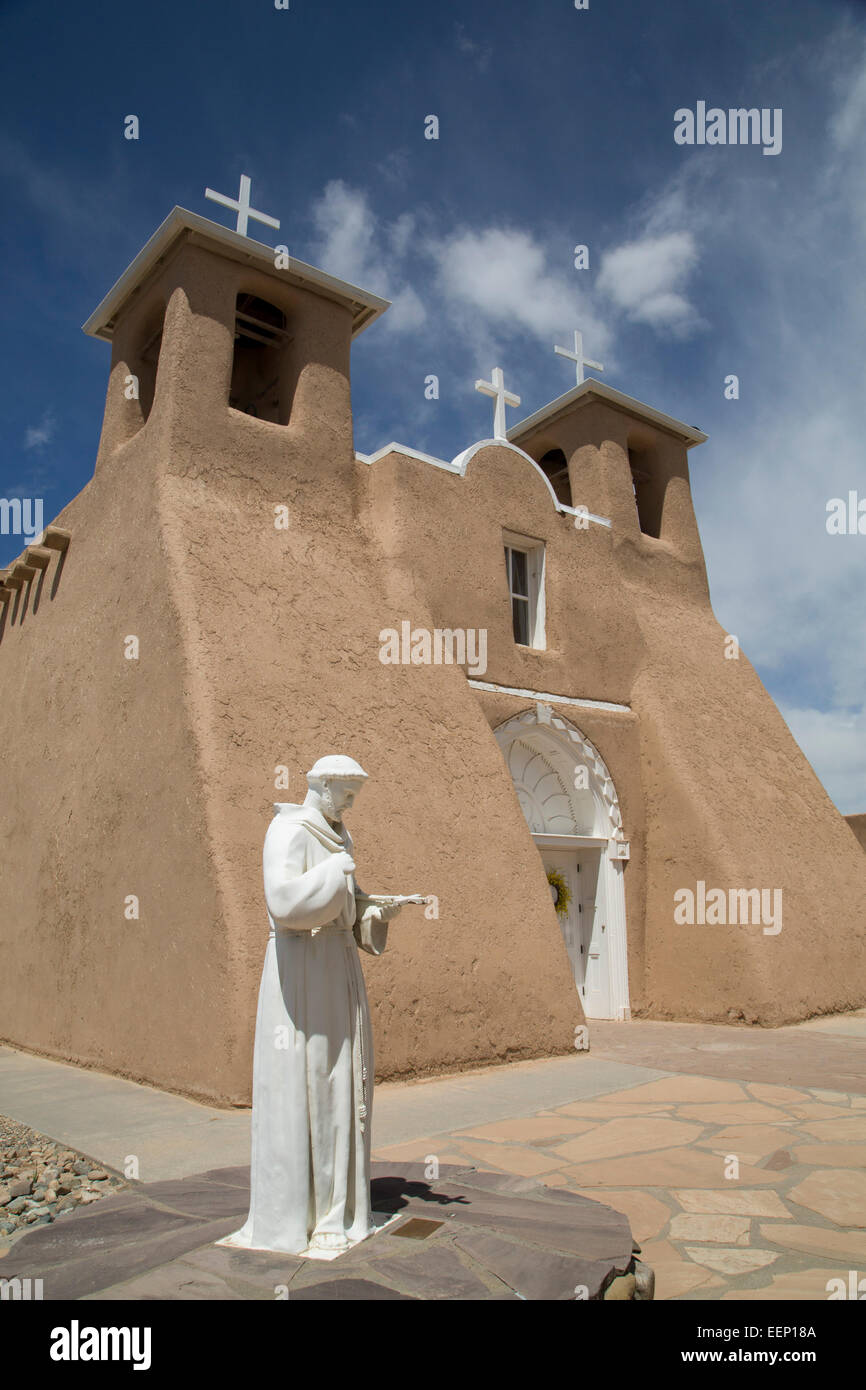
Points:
x=313, y=1058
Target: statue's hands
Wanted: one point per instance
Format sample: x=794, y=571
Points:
x=381, y=912
x=345, y=862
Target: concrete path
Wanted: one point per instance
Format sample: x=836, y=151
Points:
x=109, y=1119
x=738, y=1154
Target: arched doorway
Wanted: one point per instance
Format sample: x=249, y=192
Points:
x=568, y=798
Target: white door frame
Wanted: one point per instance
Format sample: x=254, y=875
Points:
x=543, y=753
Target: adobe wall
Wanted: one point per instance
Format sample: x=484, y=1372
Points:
x=733, y=801
x=259, y=649
x=104, y=798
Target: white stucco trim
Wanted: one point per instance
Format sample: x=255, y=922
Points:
x=395, y=448
x=586, y=516
x=460, y=463
x=550, y=699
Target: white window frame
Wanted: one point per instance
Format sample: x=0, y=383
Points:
x=535, y=562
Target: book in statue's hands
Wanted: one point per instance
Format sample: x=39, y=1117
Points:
x=390, y=899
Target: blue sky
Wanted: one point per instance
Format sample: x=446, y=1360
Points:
x=556, y=128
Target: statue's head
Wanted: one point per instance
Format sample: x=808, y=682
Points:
x=334, y=783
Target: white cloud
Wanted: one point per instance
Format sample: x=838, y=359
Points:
x=353, y=244
x=37, y=436
x=646, y=278
x=504, y=274
x=497, y=282
x=407, y=312
x=345, y=224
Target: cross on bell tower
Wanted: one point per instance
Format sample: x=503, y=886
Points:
x=577, y=356
x=496, y=388
x=241, y=205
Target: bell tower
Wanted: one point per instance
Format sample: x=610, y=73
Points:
x=625, y=461
x=226, y=350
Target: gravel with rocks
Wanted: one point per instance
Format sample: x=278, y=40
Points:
x=40, y=1180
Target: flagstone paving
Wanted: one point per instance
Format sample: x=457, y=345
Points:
x=727, y=1230
x=728, y=1186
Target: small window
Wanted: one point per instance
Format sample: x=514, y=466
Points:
x=258, y=368
x=524, y=571
x=554, y=466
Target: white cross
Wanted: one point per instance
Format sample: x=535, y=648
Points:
x=241, y=205
x=496, y=388
x=577, y=356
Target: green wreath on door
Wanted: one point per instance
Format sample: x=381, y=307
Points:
x=562, y=892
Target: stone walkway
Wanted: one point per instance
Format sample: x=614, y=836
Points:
x=737, y=1154
x=733, y=1190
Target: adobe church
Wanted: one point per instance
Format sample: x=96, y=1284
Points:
x=211, y=614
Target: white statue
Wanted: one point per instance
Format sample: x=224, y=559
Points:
x=313, y=1060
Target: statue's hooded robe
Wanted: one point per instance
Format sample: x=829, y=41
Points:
x=313, y=1060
